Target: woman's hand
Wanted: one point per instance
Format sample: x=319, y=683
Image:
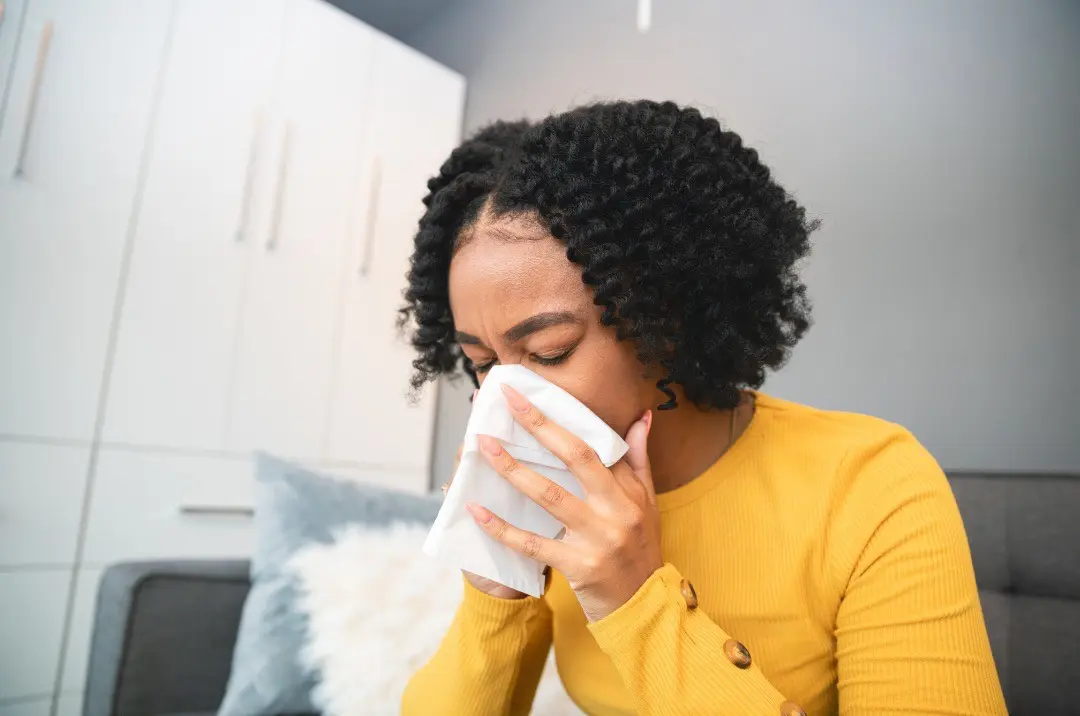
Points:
x=483, y=584
x=612, y=540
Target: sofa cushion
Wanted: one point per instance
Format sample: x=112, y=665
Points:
x=295, y=507
x=163, y=637
x=1024, y=532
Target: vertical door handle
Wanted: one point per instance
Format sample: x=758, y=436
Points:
x=372, y=218
x=44, y=43
x=274, y=238
x=249, y=176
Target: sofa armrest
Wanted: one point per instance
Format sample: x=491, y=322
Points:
x=163, y=637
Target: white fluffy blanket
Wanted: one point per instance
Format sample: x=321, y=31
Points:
x=377, y=609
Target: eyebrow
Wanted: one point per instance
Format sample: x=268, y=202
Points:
x=526, y=328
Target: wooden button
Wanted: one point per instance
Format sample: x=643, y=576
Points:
x=737, y=654
x=790, y=708
x=688, y=594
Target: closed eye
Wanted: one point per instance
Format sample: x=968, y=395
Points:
x=544, y=360
x=553, y=360
x=483, y=367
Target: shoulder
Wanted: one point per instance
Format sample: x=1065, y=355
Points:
x=884, y=494
x=866, y=468
x=850, y=443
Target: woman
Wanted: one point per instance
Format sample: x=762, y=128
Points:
x=749, y=555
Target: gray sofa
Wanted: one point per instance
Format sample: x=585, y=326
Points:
x=164, y=631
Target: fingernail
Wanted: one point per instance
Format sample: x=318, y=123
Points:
x=479, y=513
x=647, y=419
x=515, y=399
x=490, y=445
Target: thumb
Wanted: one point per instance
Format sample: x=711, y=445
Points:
x=637, y=457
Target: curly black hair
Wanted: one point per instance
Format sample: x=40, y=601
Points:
x=688, y=244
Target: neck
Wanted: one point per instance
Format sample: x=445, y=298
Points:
x=685, y=442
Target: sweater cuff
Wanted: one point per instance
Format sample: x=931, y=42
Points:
x=492, y=611
x=622, y=628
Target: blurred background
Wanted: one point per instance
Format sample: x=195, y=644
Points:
x=207, y=206
x=935, y=141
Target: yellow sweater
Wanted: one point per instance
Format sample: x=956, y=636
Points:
x=829, y=544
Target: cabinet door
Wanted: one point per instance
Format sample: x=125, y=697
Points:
x=196, y=227
x=149, y=505
x=32, y=605
x=10, y=19
x=287, y=336
x=41, y=499
x=73, y=134
x=77, y=655
x=417, y=108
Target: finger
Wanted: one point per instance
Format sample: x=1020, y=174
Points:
x=445, y=487
x=533, y=546
x=574, y=452
x=637, y=457
x=553, y=497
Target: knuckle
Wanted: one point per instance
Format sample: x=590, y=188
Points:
x=536, y=419
x=499, y=530
x=532, y=546
x=581, y=453
x=510, y=466
x=553, y=495
x=590, y=563
x=616, y=537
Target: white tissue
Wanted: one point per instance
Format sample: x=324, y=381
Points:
x=455, y=538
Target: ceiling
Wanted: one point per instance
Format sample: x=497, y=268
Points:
x=398, y=18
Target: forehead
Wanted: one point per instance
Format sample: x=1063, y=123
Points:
x=509, y=270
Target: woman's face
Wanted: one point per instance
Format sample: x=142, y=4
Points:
x=517, y=299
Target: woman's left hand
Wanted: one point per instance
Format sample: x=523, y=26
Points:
x=612, y=540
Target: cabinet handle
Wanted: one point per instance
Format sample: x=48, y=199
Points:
x=372, y=217
x=279, y=190
x=44, y=43
x=222, y=510
x=249, y=176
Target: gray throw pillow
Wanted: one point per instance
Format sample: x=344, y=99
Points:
x=293, y=508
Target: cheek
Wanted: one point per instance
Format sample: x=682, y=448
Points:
x=608, y=379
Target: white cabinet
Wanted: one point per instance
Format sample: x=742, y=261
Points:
x=416, y=113
x=10, y=19
x=198, y=227
x=33, y=707
x=77, y=657
x=286, y=344
x=78, y=107
x=41, y=497
x=206, y=209
x=157, y=506
x=31, y=628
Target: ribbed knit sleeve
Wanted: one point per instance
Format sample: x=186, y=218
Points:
x=489, y=662
x=910, y=636
x=672, y=659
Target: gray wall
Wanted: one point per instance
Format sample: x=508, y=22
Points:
x=939, y=143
